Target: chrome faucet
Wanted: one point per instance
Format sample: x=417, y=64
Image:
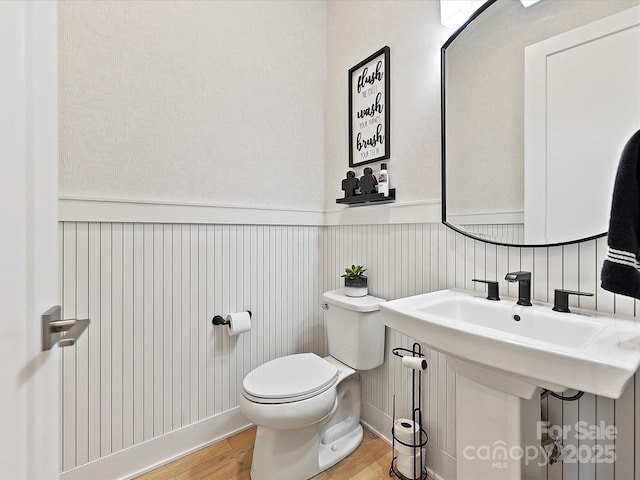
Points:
x=524, y=286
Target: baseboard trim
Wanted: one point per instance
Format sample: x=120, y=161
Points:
x=440, y=464
x=377, y=421
x=146, y=456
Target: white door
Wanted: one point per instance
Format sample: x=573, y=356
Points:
x=582, y=104
x=29, y=377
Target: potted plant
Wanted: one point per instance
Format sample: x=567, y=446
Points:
x=355, y=281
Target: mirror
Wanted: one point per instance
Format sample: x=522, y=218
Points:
x=537, y=105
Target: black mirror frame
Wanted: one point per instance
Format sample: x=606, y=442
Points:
x=450, y=40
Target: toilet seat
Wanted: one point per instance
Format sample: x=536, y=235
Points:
x=290, y=379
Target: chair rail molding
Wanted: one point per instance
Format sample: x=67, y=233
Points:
x=94, y=209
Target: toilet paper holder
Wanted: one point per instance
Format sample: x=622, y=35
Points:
x=420, y=436
x=220, y=320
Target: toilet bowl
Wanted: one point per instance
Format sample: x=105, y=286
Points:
x=307, y=408
x=290, y=392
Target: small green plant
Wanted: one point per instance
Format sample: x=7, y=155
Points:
x=356, y=271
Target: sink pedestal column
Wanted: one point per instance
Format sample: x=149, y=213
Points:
x=496, y=426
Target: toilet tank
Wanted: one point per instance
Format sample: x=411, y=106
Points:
x=355, y=331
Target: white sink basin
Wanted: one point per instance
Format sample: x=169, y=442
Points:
x=579, y=350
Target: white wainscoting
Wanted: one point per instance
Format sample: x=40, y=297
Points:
x=409, y=259
x=151, y=363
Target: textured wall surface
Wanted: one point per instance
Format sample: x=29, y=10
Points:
x=413, y=32
x=207, y=102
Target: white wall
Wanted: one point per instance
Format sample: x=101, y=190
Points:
x=106, y=265
x=413, y=258
x=413, y=32
x=205, y=102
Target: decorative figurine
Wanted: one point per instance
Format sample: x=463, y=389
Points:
x=368, y=182
x=350, y=184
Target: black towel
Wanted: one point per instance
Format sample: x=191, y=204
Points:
x=621, y=269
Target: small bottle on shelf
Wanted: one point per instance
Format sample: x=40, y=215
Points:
x=383, y=180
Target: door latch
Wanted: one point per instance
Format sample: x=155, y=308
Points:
x=63, y=332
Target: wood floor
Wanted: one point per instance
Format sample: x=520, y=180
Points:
x=230, y=459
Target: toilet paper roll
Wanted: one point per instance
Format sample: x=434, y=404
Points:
x=406, y=463
x=417, y=363
x=404, y=450
x=239, y=322
x=405, y=429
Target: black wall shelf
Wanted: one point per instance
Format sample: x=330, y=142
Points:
x=370, y=198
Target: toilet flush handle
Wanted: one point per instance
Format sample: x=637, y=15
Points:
x=324, y=306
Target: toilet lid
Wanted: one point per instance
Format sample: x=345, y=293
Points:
x=290, y=378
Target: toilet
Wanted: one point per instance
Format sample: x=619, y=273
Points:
x=307, y=408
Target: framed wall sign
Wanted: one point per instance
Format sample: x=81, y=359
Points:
x=369, y=119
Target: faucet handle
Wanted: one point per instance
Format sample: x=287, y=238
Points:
x=492, y=288
x=561, y=299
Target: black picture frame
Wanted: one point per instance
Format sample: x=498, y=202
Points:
x=369, y=109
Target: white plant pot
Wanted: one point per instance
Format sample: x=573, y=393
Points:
x=355, y=287
x=356, y=291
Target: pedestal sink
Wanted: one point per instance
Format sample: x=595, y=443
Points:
x=503, y=354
